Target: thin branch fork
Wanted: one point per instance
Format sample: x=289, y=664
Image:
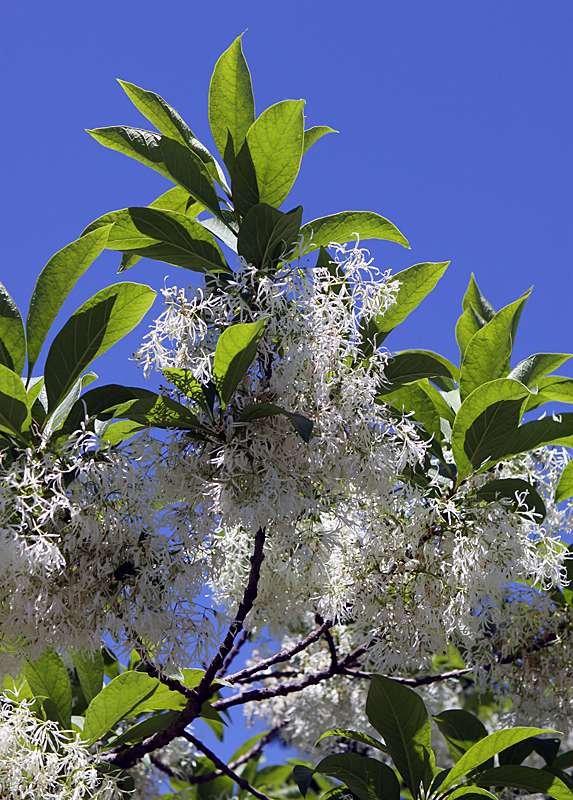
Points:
x=226, y=770
x=128, y=756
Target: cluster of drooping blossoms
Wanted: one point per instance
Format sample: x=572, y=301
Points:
x=440, y=575
x=85, y=555
x=40, y=762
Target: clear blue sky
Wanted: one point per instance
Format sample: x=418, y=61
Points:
x=454, y=119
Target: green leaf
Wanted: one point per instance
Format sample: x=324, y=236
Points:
x=553, y=388
x=143, y=729
x=563, y=761
x=565, y=486
x=346, y=226
x=169, y=122
x=302, y=425
x=400, y=717
x=416, y=283
x=97, y=325
x=244, y=184
x=231, y=102
x=59, y=415
x=234, y=354
x=539, y=432
x=312, y=135
x=470, y=793
x=54, y=284
x=507, y=488
x=48, y=677
x=488, y=352
x=161, y=412
x=163, y=236
x=467, y=326
x=221, y=230
x=184, y=381
x=473, y=297
x=546, y=748
x=118, y=432
x=166, y=156
x=12, y=335
x=266, y=234
x=356, y=736
x=536, y=366
x=366, y=778
x=538, y=781
x=115, y=702
x=275, y=142
x=485, y=749
x=162, y=699
x=485, y=422
x=90, y=674
x=461, y=730
x=14, y=411
x=409, y=366
x=100, y=400
x=178, y=199
x=303, y=776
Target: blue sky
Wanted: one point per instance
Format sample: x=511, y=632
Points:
x=454, y=119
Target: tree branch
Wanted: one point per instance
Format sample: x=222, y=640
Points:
x=284, y=655
x=234, y=651
x=225, y=769
x=127, y=756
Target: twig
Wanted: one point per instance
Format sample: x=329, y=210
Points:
x=329, y=641
x=241, y=782
x=127, y=756
x=284, y=655
x=169, y=771
x=265, y=676
x=234, y=651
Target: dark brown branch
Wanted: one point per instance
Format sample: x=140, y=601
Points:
x=266, y=675
x=329, y=641
x=284, y=655
x=169, y=771
x=234, y=651
x=127, y=756
x=241, y=782
x=171, y=683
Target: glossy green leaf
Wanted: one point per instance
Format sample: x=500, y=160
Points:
x=485, y=422
x=267, y=234
x=244, y=185
x=565, y=486
x=552, y=388
x=59, y=415
x=14, y=411
x=117, y=432
x=356, y=736
x=221, y=230
x=467, y=326
x=276, y=141
x=48, y=677
x=414, y=399
x=169, y=122
x=141, y=730
x=166, y=156
x=346, y=226
x=184, y=381
x=234, y=354
x=162, y=699
x=312, y=135
x=12, y=334
x=178, y=199
x=97, y=325
x=485, y=749
x=461, y=730
x=55, y=282
x=416, y=283
x=90, y=674
x=163, y=236
x=563, y=761
x=410, y=366
x=487, y=355
x=367, y=778
x=303, y=776
x=400, y=717
x=115, y=702
x=536, y=366
x=528, y=779
x=231, y=102
x=473, y=297
x=508, y=488
x=102, y=399
x=538, y=433
x=517, y=753
x=302, y=425
x=470, y=792
x=161, y=412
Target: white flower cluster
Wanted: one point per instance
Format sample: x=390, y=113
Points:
x=84, y=555
x=40, y=762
